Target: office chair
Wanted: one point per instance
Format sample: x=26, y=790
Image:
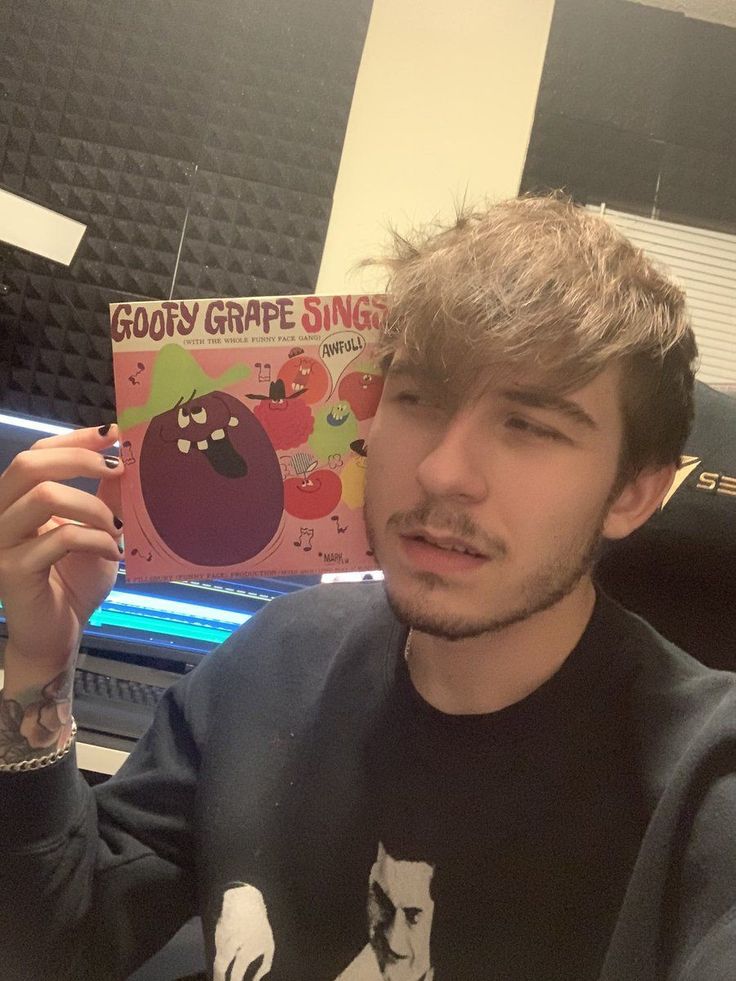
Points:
x=678, y=571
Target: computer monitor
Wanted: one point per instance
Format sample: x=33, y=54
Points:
x=178, y=622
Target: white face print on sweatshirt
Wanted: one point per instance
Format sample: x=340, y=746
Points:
x=400, y=911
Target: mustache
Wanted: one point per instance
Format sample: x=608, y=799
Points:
x=441, y=517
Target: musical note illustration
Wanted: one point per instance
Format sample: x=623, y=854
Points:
x=132, y=378
x=126, y=453
x=305, y=539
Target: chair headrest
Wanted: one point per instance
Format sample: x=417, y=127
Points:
x=678, y=570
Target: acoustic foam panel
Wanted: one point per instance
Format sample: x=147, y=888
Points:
x=593, y=162
x=214, y=127
x=613, y=63
x=635, y=109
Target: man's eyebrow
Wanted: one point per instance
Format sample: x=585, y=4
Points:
x=404, y=369
x=535, y=398
x=407, y=371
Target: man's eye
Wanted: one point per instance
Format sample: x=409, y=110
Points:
x=424, y=398
x=408, y=398
x=525, y=426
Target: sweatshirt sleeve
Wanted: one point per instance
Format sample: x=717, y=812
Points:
x=704, y=920
x=94, y=882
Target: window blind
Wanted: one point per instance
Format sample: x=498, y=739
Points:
x=704, y=264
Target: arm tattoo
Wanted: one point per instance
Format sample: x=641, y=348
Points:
x=39, y=722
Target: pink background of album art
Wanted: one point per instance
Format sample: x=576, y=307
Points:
x=321, y=529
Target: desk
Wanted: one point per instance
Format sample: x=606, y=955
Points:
x=96, y=759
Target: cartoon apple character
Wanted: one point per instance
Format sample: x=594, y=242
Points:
x=211, y=480
x=312, y=495
x=304, y=374
x=363, y=391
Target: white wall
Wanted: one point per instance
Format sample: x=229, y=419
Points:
x=443, y=107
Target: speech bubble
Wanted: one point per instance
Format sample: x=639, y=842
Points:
x=338, y=351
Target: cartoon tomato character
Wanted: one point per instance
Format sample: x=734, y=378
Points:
x=312, y=495
x=304, y=374
x=211, y=481
x=363, y=391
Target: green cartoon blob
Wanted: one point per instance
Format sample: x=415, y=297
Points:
x=335, y=428
x=177, y=375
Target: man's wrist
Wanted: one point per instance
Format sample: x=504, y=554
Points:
x=36, y=721
x=39, y=762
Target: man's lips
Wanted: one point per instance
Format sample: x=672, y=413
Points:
x=440, y=554
x=445, y=542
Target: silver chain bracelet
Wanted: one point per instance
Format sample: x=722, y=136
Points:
x=37, y=764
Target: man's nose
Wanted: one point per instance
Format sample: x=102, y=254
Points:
x=455, y=465
x=398, y=936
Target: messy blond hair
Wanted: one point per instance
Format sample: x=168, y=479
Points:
x=540, y=285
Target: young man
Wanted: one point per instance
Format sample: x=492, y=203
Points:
x=486, y=770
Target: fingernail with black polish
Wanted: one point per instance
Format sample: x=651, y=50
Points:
x=104, y=430
x=117, y=522
x=121, y=549
x=112, y=461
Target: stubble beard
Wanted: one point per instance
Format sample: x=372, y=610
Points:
x=540, y=591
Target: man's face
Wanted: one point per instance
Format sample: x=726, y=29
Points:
x=400, y=911
x=486, y=512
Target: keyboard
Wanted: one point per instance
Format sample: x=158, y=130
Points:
x=113, y=706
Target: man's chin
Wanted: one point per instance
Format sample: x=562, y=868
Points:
x=434, y=618
x=434, y=615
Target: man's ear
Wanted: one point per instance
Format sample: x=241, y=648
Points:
x=638, y=500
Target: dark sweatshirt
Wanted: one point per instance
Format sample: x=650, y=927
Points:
x=326, y=822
